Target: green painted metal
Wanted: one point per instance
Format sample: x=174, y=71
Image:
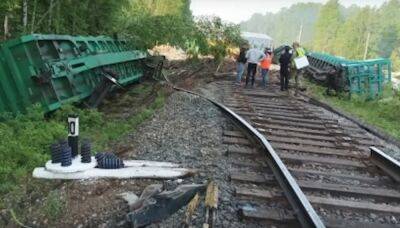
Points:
x=366, y=77
x=56, y=69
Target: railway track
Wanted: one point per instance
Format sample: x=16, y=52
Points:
x=329, y=160
x=296, y=165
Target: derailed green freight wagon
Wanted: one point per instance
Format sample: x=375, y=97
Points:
x=56, y=69
x=363, y=77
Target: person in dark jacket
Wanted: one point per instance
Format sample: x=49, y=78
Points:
x=240, y=64
x=284, y=61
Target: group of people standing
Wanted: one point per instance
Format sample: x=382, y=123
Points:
x=253, y=58
x=288, y=67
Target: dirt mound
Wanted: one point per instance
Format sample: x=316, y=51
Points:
x=170, y=52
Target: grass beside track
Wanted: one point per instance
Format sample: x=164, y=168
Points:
x=25, y=139
x=383, y=114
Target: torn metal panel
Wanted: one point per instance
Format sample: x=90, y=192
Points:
x=160, y=206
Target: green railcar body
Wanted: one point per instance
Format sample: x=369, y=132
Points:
x=56, y=69
x=362, y=77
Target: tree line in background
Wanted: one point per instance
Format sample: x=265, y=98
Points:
x=353, y=32
x=284, y=26
x=145, y=23
x=57, y=16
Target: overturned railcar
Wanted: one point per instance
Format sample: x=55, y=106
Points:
x=56, y=69
x=362, y=77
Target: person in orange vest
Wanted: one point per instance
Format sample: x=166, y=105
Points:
x=265, y=64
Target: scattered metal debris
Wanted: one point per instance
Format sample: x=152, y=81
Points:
x=154, y=205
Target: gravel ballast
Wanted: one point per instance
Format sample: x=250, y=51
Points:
x=188, y=130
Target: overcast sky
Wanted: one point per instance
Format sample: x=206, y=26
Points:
x=240, y=10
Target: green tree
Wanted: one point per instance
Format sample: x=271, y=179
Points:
x=388, y=31
x=327, y=27
x=219, y=35
x=11, y=22
x=395, y=57
x=148, y=23
x=352, y=36
x=74, y=17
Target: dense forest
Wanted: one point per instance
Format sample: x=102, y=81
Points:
x=58, y=16
x=143, y=22
x=335, y=29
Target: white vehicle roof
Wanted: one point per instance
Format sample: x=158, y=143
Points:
x=256, y=35
x=258, y=40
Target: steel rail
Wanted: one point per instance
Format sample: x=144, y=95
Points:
x=303, y=209
x=388, y=164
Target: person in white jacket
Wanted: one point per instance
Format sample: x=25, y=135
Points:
x=253, y=56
